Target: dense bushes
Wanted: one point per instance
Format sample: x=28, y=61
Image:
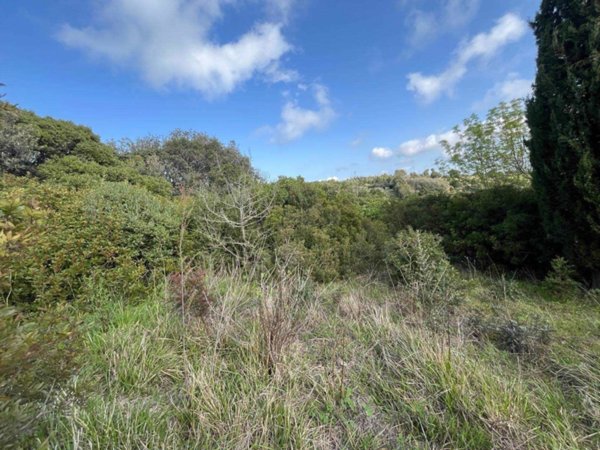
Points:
x=325, y=228
x=76, y=172
x=498, y=226
x=27, y=140
x=187, y=160
x=117, y=232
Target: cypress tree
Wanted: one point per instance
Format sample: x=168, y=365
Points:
x=564, y=117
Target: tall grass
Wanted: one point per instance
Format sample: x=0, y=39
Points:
x=290, y=364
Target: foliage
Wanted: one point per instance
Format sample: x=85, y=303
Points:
x=565, y=128
x=561, y=279
x=117, y=232
x=325, y=228
x=489, y=152
x=497, y=226
x=27, y=140
x=417, y=260
x=79, y=173
x=38, y=357
x=188, y=159
x=18, y=152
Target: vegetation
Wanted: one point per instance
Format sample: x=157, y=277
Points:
x=492, y=151
x=565, y=129
x=161, y=294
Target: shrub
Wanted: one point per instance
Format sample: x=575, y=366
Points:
x=117, y=232
x=417, y=260
x=500, y=226
x=81, y=173
x=560, y=280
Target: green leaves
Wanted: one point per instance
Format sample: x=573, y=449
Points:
x=564, y=116
x=490, y=152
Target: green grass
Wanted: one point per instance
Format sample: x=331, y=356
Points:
x=363, y=368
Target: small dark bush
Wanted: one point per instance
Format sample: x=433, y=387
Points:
x=189, y=293
x=510, y=335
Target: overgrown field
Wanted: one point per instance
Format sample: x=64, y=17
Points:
x=288, y=363
x=162, y=294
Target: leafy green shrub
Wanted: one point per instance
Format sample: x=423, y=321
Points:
x=81, y=173
x=188, y=159
x=27, y=140
x=117, y=232
x=417, y=260
x=500, y=226
x=38, y=356
x=327, y=228
x=17, y=143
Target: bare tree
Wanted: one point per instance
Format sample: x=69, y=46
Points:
x=231, y=221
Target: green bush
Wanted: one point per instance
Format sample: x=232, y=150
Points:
x=328, y=228
x=80, y=173
x=118, y=232
x=500, y=226
x=560, y=281
x=417, y=260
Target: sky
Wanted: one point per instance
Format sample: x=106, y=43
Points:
x=324, y=89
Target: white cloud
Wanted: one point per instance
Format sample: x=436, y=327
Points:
x=170, y=42
x=431, y=142
x=382, y=153
x=508, y=29
x=445, y=16
x=513, y=88
x=416, y=146
x=296, y=121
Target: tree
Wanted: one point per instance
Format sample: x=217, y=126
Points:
x=17, y=143
x=188, y=160
x=564, y=116
x=231, y=220
x=490, y=152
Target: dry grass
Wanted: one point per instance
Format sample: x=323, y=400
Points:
x=285, y=364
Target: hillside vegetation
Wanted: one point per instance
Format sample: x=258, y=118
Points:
x=159, y=294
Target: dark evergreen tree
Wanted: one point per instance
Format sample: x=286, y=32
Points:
x=564, y=117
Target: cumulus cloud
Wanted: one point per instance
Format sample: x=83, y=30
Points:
x=508, y=29
x=382, y=153
x=169, y=42
x=296, y=120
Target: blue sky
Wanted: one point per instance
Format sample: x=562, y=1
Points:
x=317, y=88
